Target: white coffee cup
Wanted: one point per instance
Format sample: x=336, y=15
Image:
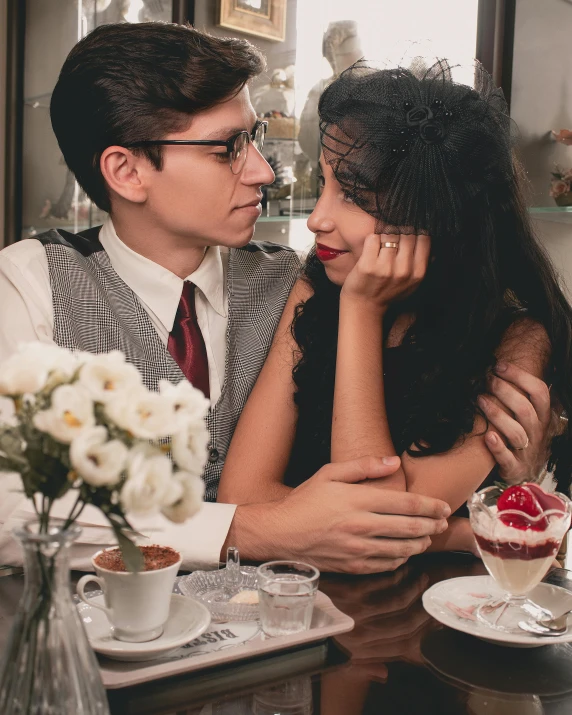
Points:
x=136, y=604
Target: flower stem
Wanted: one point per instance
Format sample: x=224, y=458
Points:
x=73, y=516
x=39, y=617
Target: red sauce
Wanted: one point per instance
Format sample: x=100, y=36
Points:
x=518, y=550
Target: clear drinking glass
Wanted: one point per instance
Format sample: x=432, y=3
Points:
x=516, y=558
x=286, y=593
x=48, y=666
x=293, y=697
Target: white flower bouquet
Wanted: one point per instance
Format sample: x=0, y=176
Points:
x=86, y=422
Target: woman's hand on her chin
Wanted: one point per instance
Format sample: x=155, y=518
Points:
x=390, y=268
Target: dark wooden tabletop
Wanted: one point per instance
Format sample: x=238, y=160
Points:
x=396, y=661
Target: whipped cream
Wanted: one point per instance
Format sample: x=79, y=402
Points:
x=493, y=529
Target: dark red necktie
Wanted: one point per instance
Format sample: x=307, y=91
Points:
x=186, y=343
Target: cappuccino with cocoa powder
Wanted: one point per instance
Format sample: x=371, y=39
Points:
x=155, y=557
x=137, y=604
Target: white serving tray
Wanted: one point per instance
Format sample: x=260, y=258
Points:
x=225, y=643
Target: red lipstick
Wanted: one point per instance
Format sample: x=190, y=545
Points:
x=325, y=253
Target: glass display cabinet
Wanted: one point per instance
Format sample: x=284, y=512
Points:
x=50, y=197
x=314, y=43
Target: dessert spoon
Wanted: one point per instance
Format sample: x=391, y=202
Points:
x=540, y=629
x=556, y=622
x=538, y=613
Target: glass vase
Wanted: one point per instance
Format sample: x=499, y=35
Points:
x=564, y=199
x=48, y=666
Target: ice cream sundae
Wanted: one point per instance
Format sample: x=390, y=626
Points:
x=518, y=532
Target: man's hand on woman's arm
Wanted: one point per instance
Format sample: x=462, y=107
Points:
x=338, y=522
x=518, y=409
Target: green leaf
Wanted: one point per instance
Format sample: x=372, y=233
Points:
x=12, y=463
x=33, y=481
x=132, y=555
x=50, y=476
x=11, y=442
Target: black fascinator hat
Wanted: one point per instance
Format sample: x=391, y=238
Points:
x=411, y=146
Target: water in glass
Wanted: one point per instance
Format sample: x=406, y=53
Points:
x=286, y=605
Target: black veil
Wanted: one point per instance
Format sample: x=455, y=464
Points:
x=409, y=145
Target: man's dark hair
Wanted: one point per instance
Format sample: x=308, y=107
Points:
x=125, y=83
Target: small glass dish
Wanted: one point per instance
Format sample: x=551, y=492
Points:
x=216, y=588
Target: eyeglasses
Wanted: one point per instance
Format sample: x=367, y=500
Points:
x=236, y=146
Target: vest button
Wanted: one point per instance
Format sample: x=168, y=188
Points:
x=213, y=454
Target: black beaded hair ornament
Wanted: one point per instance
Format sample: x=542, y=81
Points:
x=411, y=146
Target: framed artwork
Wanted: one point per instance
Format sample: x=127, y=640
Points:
x=263, y=18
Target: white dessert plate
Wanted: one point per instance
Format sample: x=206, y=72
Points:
x=187, y=620
x=454, y=602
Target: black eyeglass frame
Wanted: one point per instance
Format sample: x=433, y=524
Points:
x=229, y=143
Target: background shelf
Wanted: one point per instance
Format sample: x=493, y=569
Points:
x=557, y=214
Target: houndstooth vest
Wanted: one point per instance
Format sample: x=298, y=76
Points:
x=95, y=311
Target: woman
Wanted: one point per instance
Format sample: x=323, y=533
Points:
x=425, y=281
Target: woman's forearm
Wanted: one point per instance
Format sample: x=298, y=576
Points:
x=458, y=537
x=359, y=426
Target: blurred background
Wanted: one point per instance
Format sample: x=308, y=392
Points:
x=525, y=44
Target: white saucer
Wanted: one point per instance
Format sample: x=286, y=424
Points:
x=188, y=619
x=452, y=603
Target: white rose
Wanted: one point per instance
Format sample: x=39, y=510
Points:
x=144, y=414
x=98, y=462
x=71, y=412
x=7, y=412
x=61, y=363
x=189, y=447
x=108, y=375
x=150, y=485
x=190, y=501
x=189, y=403
x=35, y=365
x=19, y=375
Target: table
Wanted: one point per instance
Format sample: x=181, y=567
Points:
x=397, y=661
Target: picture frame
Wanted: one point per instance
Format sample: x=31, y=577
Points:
x=262, y=18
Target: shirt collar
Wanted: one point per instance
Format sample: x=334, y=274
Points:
x=210, y=279
x=156, y=286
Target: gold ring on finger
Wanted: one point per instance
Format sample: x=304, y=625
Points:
x=390, y=244
x=519, y=449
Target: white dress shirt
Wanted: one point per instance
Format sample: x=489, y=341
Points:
x=26, y=296
x=27, y=315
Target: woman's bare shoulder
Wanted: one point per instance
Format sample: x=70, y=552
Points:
x=301, y=291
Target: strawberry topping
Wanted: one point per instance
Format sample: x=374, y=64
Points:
x=546, y=501
x=531, y=500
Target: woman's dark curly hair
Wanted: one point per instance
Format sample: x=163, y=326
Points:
x=487, y=269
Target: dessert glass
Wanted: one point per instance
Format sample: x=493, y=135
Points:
x=516, y=558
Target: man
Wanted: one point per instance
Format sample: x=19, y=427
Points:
x=156, y=124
